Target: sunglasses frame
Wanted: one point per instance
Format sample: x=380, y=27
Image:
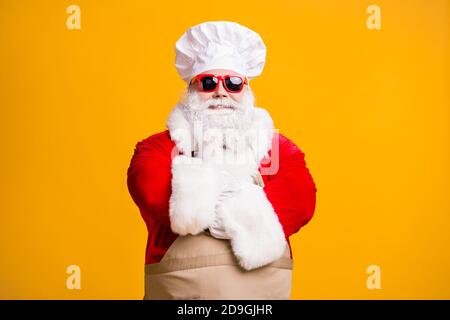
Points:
x=199, y=77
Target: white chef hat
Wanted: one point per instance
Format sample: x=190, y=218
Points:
x=219, y=45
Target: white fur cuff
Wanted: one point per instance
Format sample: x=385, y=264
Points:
x=195, y=190
x=257, y=235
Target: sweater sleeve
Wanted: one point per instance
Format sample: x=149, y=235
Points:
x=291, y=190
x=149, y=177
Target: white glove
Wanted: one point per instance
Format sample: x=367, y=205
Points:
x=257, y=237
x=217, y=229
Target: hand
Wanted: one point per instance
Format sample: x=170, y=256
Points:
x=257, y=237
x=217, y=229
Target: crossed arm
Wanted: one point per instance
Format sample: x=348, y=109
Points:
x=285, y=204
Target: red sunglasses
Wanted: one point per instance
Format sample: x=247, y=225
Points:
x=209, y=82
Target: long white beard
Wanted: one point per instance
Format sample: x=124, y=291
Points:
x=217, y=129
x=238, y=118
x=239, y=136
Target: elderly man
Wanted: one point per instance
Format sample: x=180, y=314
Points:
x=220, y=191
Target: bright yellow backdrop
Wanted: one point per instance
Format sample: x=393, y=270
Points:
x=370, y=109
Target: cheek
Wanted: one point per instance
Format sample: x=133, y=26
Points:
x=206, y=95
x=238, y=97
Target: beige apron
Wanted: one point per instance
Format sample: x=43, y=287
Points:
x=203, y=267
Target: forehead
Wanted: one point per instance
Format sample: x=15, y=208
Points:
x=221, y=72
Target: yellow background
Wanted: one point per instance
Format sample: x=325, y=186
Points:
x=370, y=109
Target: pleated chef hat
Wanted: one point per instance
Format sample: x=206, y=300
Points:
x=219, y=45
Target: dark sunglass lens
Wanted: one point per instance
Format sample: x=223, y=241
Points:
x=209, y=83
x=234, y=83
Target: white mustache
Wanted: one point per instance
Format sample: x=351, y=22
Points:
x=223, y=102
x=193, y=101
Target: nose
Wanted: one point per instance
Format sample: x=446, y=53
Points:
x=220, y=91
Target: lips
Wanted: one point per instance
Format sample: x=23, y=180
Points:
x=220, y=106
